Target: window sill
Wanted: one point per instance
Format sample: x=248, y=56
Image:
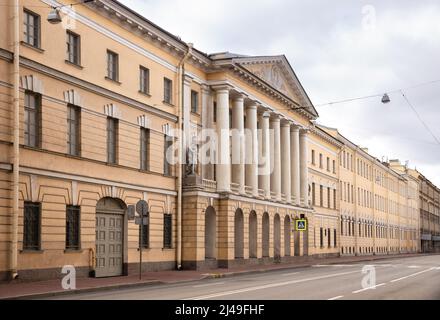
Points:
x=113, y=80
x=27, y=45
x=195, y=114
x=144, y=93
x=170, y=104
x=167, y=249
x=73, y=251
x=144, y=249
x=27, y=251
x=74, y=64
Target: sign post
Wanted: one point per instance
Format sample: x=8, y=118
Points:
x=142, y=210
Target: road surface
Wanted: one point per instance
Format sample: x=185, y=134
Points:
x=402, y=278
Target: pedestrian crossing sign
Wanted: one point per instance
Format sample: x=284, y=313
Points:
x=301, y=225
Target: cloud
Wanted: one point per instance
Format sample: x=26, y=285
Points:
x=336, y=58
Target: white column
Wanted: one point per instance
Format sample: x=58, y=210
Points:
x=295, y=159
x=187, y=111
x=238, y=139
x=206, y=124
x=275, y=181
x=223, y=148
x=304, y=171
x=265, y=168
x=286, y=178
x=252, y=149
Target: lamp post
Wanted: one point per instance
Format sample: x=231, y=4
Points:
x=54, y=16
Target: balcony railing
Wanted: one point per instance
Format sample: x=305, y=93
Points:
x=209, y=185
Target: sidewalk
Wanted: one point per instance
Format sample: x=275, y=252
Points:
x=49, y=288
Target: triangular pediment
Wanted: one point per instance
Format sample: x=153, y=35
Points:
x=277, y=72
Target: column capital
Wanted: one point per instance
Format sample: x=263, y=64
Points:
x=252, y=106
x=294, y=127
x=222, y=87
x=205, y=89
x=239, y=97
x=187, y=80
x=275, y=117
x=304, y=131
x=285, y=122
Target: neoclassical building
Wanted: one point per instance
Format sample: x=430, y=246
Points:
x=105, y=109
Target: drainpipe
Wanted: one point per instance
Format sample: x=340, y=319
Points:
x=181, y=75
x=16, y=144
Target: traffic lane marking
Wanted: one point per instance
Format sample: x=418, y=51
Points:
x=370, y=288
x=412, y=275
x=335, y=298
x=289, y=274
x=273, y=285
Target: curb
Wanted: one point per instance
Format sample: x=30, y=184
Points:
x=85, y=290
x=203, y=277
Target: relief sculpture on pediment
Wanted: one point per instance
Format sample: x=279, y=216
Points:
x=272, y=75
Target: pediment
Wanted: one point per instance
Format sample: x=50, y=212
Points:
x=272, y=74
x=277, y=72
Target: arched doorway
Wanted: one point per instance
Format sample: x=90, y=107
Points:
x=277, y=236
x=110, y=235
x=210, y=233
x=253, y=231
x=287, y=232
x=265, y=235
x=239, y=234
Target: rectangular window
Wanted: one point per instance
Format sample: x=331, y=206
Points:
x=73, y=130
x=168, y=142
x=334, y=166
x=145, y=149
x=32, y=226
x=320, y=161
x=334, y=238
x=73, y=228
x=112, y=139
x=328, y=164
x=313, y=194
x=32, y=119
x=167, y=90
x=321, y=237
x=167, y=231
x=144, y=232
x=313, y=157
x=32, y=28
x=329, y=198
x=112, y=65
x=321, y=196
x=194, y=102
x=144, y=80
x=214, y=110
x=73, y=48
x=334, y=199
x=329, y=239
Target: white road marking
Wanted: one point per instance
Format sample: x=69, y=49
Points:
x=412, y=275
x=335, y=298
x=333, y=265
x=272, y=285
x=208, y=285
x=289, y=274
x=371, y=288
x=414, y=267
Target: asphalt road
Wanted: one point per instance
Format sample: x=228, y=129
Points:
x=395, y=279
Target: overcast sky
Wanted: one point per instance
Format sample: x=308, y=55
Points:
x=339, y=50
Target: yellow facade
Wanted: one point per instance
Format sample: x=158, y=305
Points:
x=222, y=214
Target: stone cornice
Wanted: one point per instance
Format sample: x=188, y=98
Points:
x=322, y=134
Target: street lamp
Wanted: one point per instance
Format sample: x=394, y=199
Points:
x=386, y=99
x=54, y=16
